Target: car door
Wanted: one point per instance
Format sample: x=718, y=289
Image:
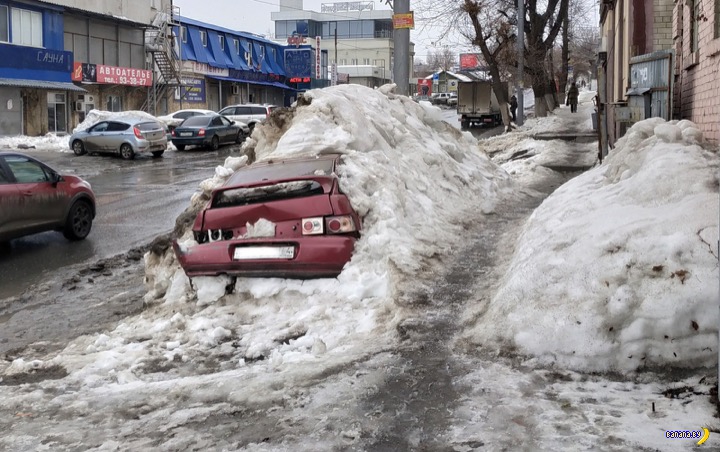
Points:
x=9, y=200
x=115, y=135
x=230, y=130
x=95, y=140
x=216, y=128
x=229, y=112
x=40, y=203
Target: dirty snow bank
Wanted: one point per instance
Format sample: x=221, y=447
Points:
x=617, y=270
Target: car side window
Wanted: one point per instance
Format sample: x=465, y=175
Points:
x=228, y=111
x=184, y=114
x=243, y=111
x=216, y=121
x=224, y=121
x=26, y=171
x=258, y=110
x=4, y=178
x=99, y=127
x=117, y=127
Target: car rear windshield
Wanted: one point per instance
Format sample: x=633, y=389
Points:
x=267, y=193
x=282, y=170
x=148, y=126
x=197, y=121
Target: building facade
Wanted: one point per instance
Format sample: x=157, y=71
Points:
x=358, y=38
x=658, y=58
x=220, y=67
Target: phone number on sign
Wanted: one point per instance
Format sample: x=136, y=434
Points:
x=684, y=434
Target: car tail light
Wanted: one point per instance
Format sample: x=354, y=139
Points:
x=340, y=224
x=312, y=226
x=201, y=132
x=172, y=132
x=138, y=133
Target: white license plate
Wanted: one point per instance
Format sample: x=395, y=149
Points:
x=264, y=252
x=185, y=134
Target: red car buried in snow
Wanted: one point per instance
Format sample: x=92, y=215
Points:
x=281, y=218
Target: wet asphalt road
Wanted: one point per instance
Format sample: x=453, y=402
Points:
x=136, y=201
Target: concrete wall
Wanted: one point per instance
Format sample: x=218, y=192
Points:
x=10, y=118
x=136, y=10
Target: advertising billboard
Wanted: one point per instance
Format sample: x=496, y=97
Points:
x=424, y=87
x=470, y=61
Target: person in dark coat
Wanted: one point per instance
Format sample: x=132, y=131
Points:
x=572, y=97
x=513, y=106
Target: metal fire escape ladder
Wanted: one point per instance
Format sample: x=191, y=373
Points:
x=160, y=44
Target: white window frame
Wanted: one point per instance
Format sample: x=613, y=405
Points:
x=183, y=34
x=353, y=62
x=248, y=58
x=366, y=61
x=21, y=36
x=203, y=37
x=221, y=38
x=236, y=42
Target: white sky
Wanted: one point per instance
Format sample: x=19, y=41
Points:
x=615, y=272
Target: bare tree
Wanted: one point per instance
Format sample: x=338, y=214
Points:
x=442, y=60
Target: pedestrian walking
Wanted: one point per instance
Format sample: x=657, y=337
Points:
x=572, y=97
x=513, y=106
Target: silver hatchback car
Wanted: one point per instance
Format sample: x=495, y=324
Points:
x=124, y=135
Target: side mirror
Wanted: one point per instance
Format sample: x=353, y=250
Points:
x=232, y=122
x=55, y=178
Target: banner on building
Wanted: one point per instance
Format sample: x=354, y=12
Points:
x=111, y=75
x=298, y=63
x=424, y=87
x=192, y=90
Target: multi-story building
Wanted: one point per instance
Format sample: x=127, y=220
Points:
x=358, y=38
x=45, y=46
x=659, y=59
x=220, y=67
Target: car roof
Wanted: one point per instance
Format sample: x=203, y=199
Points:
x=249, y=105
x=132, y=120
x=268, y=169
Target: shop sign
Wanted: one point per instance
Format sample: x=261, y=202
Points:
x=29, y=58
x=204, y=68
x=404, y=20
x=192, y=90
x=298, y=62
x=111, y=75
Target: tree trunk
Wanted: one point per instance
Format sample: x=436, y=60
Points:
x=565, y=59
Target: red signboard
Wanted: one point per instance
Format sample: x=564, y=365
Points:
x=469, y=61
x=404, y=20
x=111, y=75
x=424, y=87
x=300, y=80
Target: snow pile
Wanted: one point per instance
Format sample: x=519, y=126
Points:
x=48, y=142
x=617, y=270
x=95, y=116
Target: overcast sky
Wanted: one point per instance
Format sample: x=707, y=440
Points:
x=254, y=16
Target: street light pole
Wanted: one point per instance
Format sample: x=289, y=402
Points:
x=401, y=42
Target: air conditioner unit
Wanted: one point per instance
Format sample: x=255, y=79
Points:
x=236, y=89
x=79, y=106
x=81, y=98
x=89, y=99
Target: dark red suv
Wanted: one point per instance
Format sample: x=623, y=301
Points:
x=283, y=218
x=35, y=198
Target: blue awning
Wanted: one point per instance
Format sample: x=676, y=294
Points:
x=252, y=82
x=214, y=45
x=270, y=56
x=260, y=64
x=237, y=59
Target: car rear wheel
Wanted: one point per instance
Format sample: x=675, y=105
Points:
x=126, y=152
x=78, y=147
x=157, y=154
x=240, y=137
x=215, y=143
x=79, y=221
x=180, y=147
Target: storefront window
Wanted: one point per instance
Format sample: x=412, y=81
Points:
x=57, y=110
x=114, y=103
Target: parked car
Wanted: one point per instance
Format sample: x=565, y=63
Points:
x=36, y=198
x=250, y=114
x=173, y=120
x=208, y=131
x=452, y=100
x=124, y=135
x=440, y=98
x=280, y=218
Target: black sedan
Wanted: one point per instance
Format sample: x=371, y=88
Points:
x=208, y=131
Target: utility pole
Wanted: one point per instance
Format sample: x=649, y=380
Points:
x=520, y=119
x=401, y=42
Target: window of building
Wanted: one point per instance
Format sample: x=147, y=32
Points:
x=203, y=37
x=236, y=43
x=57, y=112
x=26, y=27
x=248, y=58
x=380, y=63
x=343, y=62
x=262, y=53
x=4, y=37
x=366, y=61
x=354, y=62
x=222, y=42
x=114, y=103
x=183, y=34
x=328, y=29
